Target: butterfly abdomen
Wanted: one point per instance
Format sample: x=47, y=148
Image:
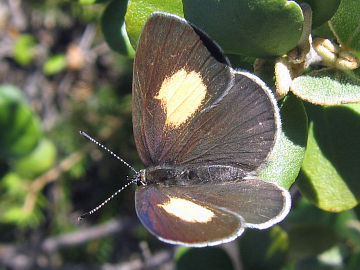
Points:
x=169, y=175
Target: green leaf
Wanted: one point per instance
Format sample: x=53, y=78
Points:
x=270, y=254
x=55, y=64
x=21, y=218
x=305, y=213
x=332, y=257
x=139, y=10
x=351, y=231
x=113, y=28
x=12, y=184
x=330, y=173
x=211, y=258
x=285, y=161
x=242, y=62
x=354, y=261
x=90, y=2
x=20, y=128
x=323, y=31
x=313, y=263
x=327, y=87
x=346, y=24
x=310, y=239
x=357, y=54
x=24, y=49
x=322, y=10
x=11, y=92
x=306, y=219
x=258, y=28
x=38, y=161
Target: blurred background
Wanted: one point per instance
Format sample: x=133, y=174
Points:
x=58, y=76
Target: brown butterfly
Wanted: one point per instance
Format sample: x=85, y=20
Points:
x=202, y=130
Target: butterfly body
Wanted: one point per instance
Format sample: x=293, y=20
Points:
x=182, y=176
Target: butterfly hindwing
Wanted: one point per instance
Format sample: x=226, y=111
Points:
x=181, y=214
x=179, y=221
x=260, y=203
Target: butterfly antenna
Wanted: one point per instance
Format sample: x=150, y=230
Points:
x=109, y=151
x=136, y=179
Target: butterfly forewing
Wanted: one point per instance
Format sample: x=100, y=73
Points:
x=189, y=108
x=175, y=77
x=238, y=130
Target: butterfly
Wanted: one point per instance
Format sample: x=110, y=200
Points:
x=202, y=129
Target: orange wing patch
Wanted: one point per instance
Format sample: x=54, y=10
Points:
x=181, y=95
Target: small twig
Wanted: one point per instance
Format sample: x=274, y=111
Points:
x=18, y=17
x=145, y=251
x=87, y=37
x=232, y=249
x=32, y=83
x=100, y=49
x=86, y=235
x=21, y=257
x=64, y=86
x=39, y=183
x=6, y=46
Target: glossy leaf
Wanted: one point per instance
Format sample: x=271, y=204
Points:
x=330, y=173
x=306, y=213
x=38, y=161
x=308, y=239
x=332, y=257
x=113, y=28
x=346, y=24
x=272, y=252
x=285, y=161
x=322, y=11
x=55, y=64
x=13, y=185
x=139, y=10
x=328, y=87
x=20, y=128
x=24, y=49
x=313, y=231
x=354, y=261
x=14, y=190
x=313, y=263
x=253, y=28
x=17, y=215
x=242, y=62
x=323, y=31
